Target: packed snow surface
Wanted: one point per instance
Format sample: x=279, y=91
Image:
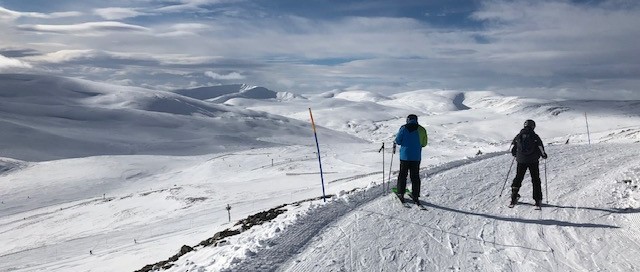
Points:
x=96, y=177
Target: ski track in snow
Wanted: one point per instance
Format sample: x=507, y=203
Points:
x=370, y=232
x=299, y=234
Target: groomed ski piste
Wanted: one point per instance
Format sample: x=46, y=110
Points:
x=585, y=225
x=96, y=177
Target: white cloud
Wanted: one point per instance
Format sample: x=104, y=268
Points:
x=229, y=76
x=560, y=41
x=117, y=13
x=64, y=56
x=8, y=64
x=91, y=28
x=193, y=5
x=7, y=14
x=188, y=29
x=188, y=5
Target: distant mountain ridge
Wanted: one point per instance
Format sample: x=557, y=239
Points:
x=223, y=93
x=204, y=93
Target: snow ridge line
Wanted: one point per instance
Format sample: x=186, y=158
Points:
x=296, y=236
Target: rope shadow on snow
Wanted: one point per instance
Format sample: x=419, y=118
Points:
x=610, y=210
x=546, y=222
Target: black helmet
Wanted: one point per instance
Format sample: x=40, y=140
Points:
x=530, y=123
x=412, y=117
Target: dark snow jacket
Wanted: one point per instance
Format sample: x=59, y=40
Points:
x=527, y=146
x=411, y=137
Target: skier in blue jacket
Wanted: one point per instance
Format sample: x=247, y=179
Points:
x=411, y=137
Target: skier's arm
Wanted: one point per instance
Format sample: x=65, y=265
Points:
x=399, y=136
x=514, y=147
x=543, y=154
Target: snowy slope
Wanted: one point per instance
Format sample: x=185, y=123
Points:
x=587, y=224
x=460, y=123
x=97, y=177
x=45, y=118
x=590, y=223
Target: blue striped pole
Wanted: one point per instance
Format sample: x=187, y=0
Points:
x=313, y=124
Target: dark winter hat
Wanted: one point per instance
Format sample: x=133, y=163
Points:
x=412, y=117
x=530, y=123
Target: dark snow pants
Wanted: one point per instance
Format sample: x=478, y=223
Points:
x=534, y=170
x=412, y=168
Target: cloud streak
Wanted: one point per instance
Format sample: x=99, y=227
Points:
x=229, y=76
x=117, y=13
x=9, y=64
x=90, y=28
x=8, y=14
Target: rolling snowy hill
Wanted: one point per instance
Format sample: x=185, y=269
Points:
x=98, y=177
x=47, y=118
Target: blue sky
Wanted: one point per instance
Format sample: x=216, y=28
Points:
x=538, y=48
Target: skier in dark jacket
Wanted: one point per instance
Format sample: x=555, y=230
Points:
x=527, y=148
x=411, y=137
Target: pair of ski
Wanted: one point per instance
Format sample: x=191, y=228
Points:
x=537, y=207
x=403, y=201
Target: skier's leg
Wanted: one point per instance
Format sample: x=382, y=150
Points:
x=534, y=170
x=521, y=169
x=415, y=179
x=402, y=177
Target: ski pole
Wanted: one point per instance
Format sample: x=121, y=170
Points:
x=390, y=165
x=546, y=188
x=505, y=179
x=383, y=185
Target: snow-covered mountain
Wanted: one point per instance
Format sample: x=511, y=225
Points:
x=224, y=93
x=47, y=118
x=98, y=177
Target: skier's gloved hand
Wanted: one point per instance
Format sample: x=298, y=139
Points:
x=544, y=156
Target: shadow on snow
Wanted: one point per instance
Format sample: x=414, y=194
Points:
x=547, y=222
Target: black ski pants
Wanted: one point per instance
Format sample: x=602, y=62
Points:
x=412, y=168
x=534, y=171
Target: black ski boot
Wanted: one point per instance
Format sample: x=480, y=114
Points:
x=514, y=200
x=401, y=197
x=415, y=199
x=538, y=204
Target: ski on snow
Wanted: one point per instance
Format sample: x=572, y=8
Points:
x=537, y=208
x=404, y=201
x=420, y=206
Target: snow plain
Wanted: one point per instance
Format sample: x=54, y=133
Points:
x=97, y=177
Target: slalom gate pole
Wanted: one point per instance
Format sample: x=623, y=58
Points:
x=546, y=188
x=313, y=124
x=390, y=165
x=505, y=179
x=383, y=185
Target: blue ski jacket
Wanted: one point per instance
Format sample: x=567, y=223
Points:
x=411, y=137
